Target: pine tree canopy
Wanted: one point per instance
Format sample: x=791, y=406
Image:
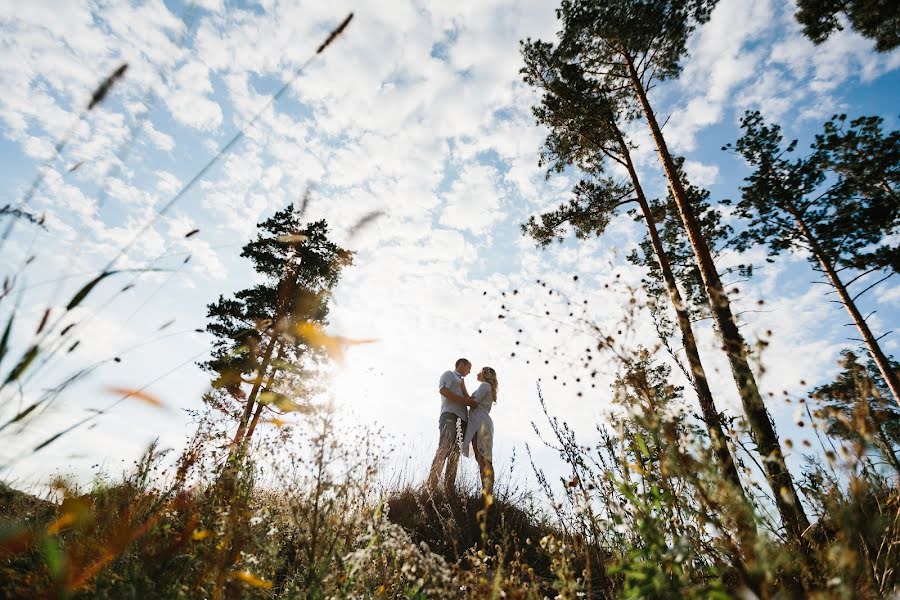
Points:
x=581, y=113
x=653, y=33
x=582, y=118
x=858, y=386
x=875, y=19
x=298, y=266
x=844, y=191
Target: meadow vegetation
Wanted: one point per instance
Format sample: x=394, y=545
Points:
x=659, y=502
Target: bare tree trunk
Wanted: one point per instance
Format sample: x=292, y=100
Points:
x=698, y=374
x=259, y=405
x=763, y=431
x=254, y=392
x=285, y=288
x=884, y=366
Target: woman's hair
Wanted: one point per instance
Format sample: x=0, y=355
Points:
x=490, y=376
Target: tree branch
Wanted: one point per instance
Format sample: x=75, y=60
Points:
x=886, y=277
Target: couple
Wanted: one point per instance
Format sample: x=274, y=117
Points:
x=465, y=420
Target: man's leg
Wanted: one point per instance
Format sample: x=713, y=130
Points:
x=459, y=432
x=439, y=457
x=447, y=434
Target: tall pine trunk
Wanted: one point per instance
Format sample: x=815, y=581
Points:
x=871, y=342
x=885, y=446
x=698, y=374
x=763, y=431
x=239, y=435
x=259, y=405
x=285, y=289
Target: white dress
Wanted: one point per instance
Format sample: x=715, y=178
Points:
x=480, y=422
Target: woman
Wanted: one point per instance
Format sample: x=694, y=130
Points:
x=480, y=428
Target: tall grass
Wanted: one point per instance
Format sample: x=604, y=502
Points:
x=661, y=519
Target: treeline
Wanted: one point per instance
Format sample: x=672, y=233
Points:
x=836, y=204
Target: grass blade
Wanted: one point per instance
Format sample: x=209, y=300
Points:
x=106, y=85
x=83, y=292
x=20, y=368
x=4, y=341
x=21, y=415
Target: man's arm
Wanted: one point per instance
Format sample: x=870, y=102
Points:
x=467, y=397
x=446, y=393
x=466, y=400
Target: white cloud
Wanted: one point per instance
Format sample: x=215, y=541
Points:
x=721, y=59
x=189, y=101
x=700, y=174
x=212, y=5
x=752, y=55
x=167, y=183
x=473, y=200
x=163, y=141
x=889, y=295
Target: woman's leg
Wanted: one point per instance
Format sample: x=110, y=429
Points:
x=485, y=468
x=488, y=477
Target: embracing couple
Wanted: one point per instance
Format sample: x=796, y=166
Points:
x=465, y=420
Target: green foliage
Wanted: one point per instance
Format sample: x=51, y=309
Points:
x=601, y=34
x=865, y=161
x=314, y=526
x=629, y=46
x=841, y=213
x=643, y=512
x=580, y=112
x=875, y=19
x=844, y=191
x=589, y=212
x=586, y=97
x=648, y=492
x=299, y=267
x=663, y=560
x=581, y=116
x=856, y=407
x=584, y=112
x=258, y=331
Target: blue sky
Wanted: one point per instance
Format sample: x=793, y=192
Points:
x=417, y=111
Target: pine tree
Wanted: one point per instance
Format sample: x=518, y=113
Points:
x=672, y=500
x=680, y=255
x=856, y=407
x=265, y=348
x=836, y=204
x=875, y=19
x=654, y=419
x=583, y=120
x=631, y=45
x=866, y=162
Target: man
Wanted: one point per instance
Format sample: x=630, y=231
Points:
x=452, y=423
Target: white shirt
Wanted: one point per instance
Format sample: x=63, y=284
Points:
x=453, y=382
